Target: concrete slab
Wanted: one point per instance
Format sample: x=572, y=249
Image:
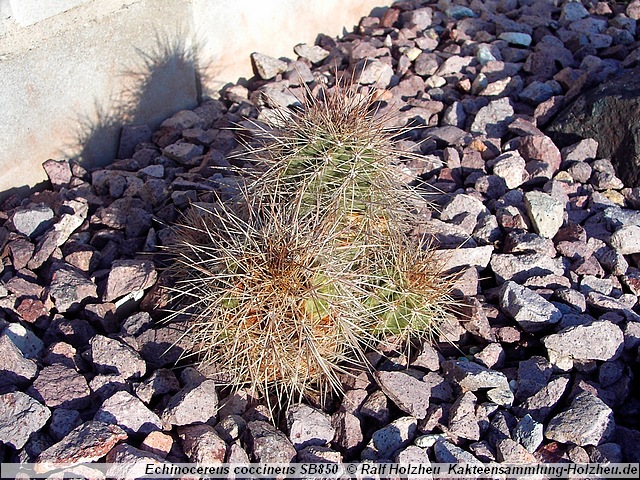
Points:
x=74, y=71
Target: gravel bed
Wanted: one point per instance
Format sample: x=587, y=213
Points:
x=546, y=239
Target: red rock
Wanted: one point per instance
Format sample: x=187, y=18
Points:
x=21, y=251
x=31, y=310
x=157, y=443
x=540, y=148
x=389, y=17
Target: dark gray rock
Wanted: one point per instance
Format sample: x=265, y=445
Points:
x=160, y=382
x=533, y=375
x=529, y=433
x=63, y=421
x=608, y=114
x=70, y=289
x=447, y=452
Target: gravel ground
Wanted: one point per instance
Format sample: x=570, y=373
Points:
x=549, y=252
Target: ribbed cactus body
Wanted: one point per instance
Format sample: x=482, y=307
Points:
x=317, y=265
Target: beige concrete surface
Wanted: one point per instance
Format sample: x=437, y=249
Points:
x=72, y=72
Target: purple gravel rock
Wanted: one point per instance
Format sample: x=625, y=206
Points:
x=626, y=240
x=105, y=386
x=60, y=386
x=493, y=120
x=546, y=213
x=308, y=426
x=599, y=340
x=59, y=173
x=413, y=454
x=266, y=444
x=112, y=356
x=160, y=382
x=230, y=427
x=267, y=67
x=129, y=413
x=374, y=72
x=520, y=267
x=428, y=358
x=376, y=406
x=87, y=443
x=533, y=375
x=130, y=462
x=384, y=442
x=16, y=369
x=605, y=453
x=69, y=289
x=532, y=312
x=128, y=276
x=510, y=451
x=588, y=421
x=510, y=167
x=348, y=437
x=130, y=137
x=407, y=390
x=202, y=444
x=184, y=153
x=462, y=417
x=313, y=53
x=541, y=404
x=453, y=259
x=20, y=416
x=447, y=452
x=318, y=454
x=63, y=421
x=472, y=376
x=193, y=404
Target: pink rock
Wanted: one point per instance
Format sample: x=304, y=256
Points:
x=128, y=276
x=59, y=172
x=202, y=444
x=86, y=443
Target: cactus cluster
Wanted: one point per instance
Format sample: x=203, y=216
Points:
x=285, y=287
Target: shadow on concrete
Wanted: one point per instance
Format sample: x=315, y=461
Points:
x=153, y=86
